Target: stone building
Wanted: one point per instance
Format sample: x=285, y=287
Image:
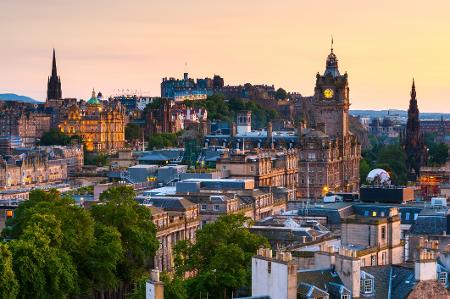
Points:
x=269, y=168
x=176, y=219
x=329, y=153
x=100, y=124
x=23, y=120
x=30, y=170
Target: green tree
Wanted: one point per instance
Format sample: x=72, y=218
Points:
x=94, y=248
x=133, y=221
x=437, y=154
x=162, y=140
x=9, y=286
x=392, y=159
x=281, y=94
x=56, y=137
x=364, y=169
x=132, y=132
x=173, y=287
x=221, y=257
x=42, y=270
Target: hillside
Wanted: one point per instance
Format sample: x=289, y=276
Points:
x=17, y=98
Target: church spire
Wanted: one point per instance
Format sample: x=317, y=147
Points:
x=54, y=70
x=54, y=83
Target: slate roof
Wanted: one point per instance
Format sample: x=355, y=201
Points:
x=390, y=281
x=430, y=222
x=333, y=211
x=170, y=203
x=306, y=290
x=162, y=155
x=325, y=279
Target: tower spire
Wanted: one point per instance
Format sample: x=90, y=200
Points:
x=54, y=70
x=413, y=90
x=54, y=83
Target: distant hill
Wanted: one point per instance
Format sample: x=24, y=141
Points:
x=17, y=98
x=399, y=113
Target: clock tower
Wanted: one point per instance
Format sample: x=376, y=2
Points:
x=331, y=100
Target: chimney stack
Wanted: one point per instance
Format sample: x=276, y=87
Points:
x=425, y=266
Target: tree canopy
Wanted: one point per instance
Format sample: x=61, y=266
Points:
x=220, y=108
x=281, y=94
x=221, y=257
x=59, y=249
x=56, y=137
x=162, y=140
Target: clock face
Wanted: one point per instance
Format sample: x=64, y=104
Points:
x=328, y=93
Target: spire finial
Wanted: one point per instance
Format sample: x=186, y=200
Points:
x=332, y=43
x=93, y=93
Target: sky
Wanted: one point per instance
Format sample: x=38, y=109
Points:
x=111, y=45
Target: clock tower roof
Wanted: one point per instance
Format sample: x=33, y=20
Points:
x=332, y=65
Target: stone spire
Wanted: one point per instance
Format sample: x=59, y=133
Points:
x=54, y=70
x=414, y=145
x=54, y=83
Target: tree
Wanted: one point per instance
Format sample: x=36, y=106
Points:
x=162, y=140
x=56, y=137
x=133, y=221
x=281, y=94
x=173, y=287
x=9, y=286
x=392, y=159
x=364, y=169
x=132, y=132
x=221, y=257
x=438, y=153
x=43, y=270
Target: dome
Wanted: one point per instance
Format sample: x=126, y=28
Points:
x=378, y=176
x=93, y=100
x=332, y=65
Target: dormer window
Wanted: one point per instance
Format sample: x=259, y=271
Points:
x=345, y=296
x=367, y=286
x=443, y=278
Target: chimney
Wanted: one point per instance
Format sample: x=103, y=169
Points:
x=348, y=266
x=154, y=288
x=425, y=266
x=274, y=277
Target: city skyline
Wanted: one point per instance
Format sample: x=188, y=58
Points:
x=133, y=45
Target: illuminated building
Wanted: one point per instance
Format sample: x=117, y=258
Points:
x=100, y=124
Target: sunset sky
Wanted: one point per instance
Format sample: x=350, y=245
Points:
x=133, y=44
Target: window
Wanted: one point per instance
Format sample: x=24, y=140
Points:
x=383, y=232
x=366, y=213
x=216, y=207
x=407, y=216
x=374, y=214
x=415, y=216
x=204, y=222
x=367, y=286
x=443, y=277
x=203, y=207
x=346, y=296
x=269, y=267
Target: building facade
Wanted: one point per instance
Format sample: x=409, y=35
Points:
x=329, y=153
x=100, y=124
